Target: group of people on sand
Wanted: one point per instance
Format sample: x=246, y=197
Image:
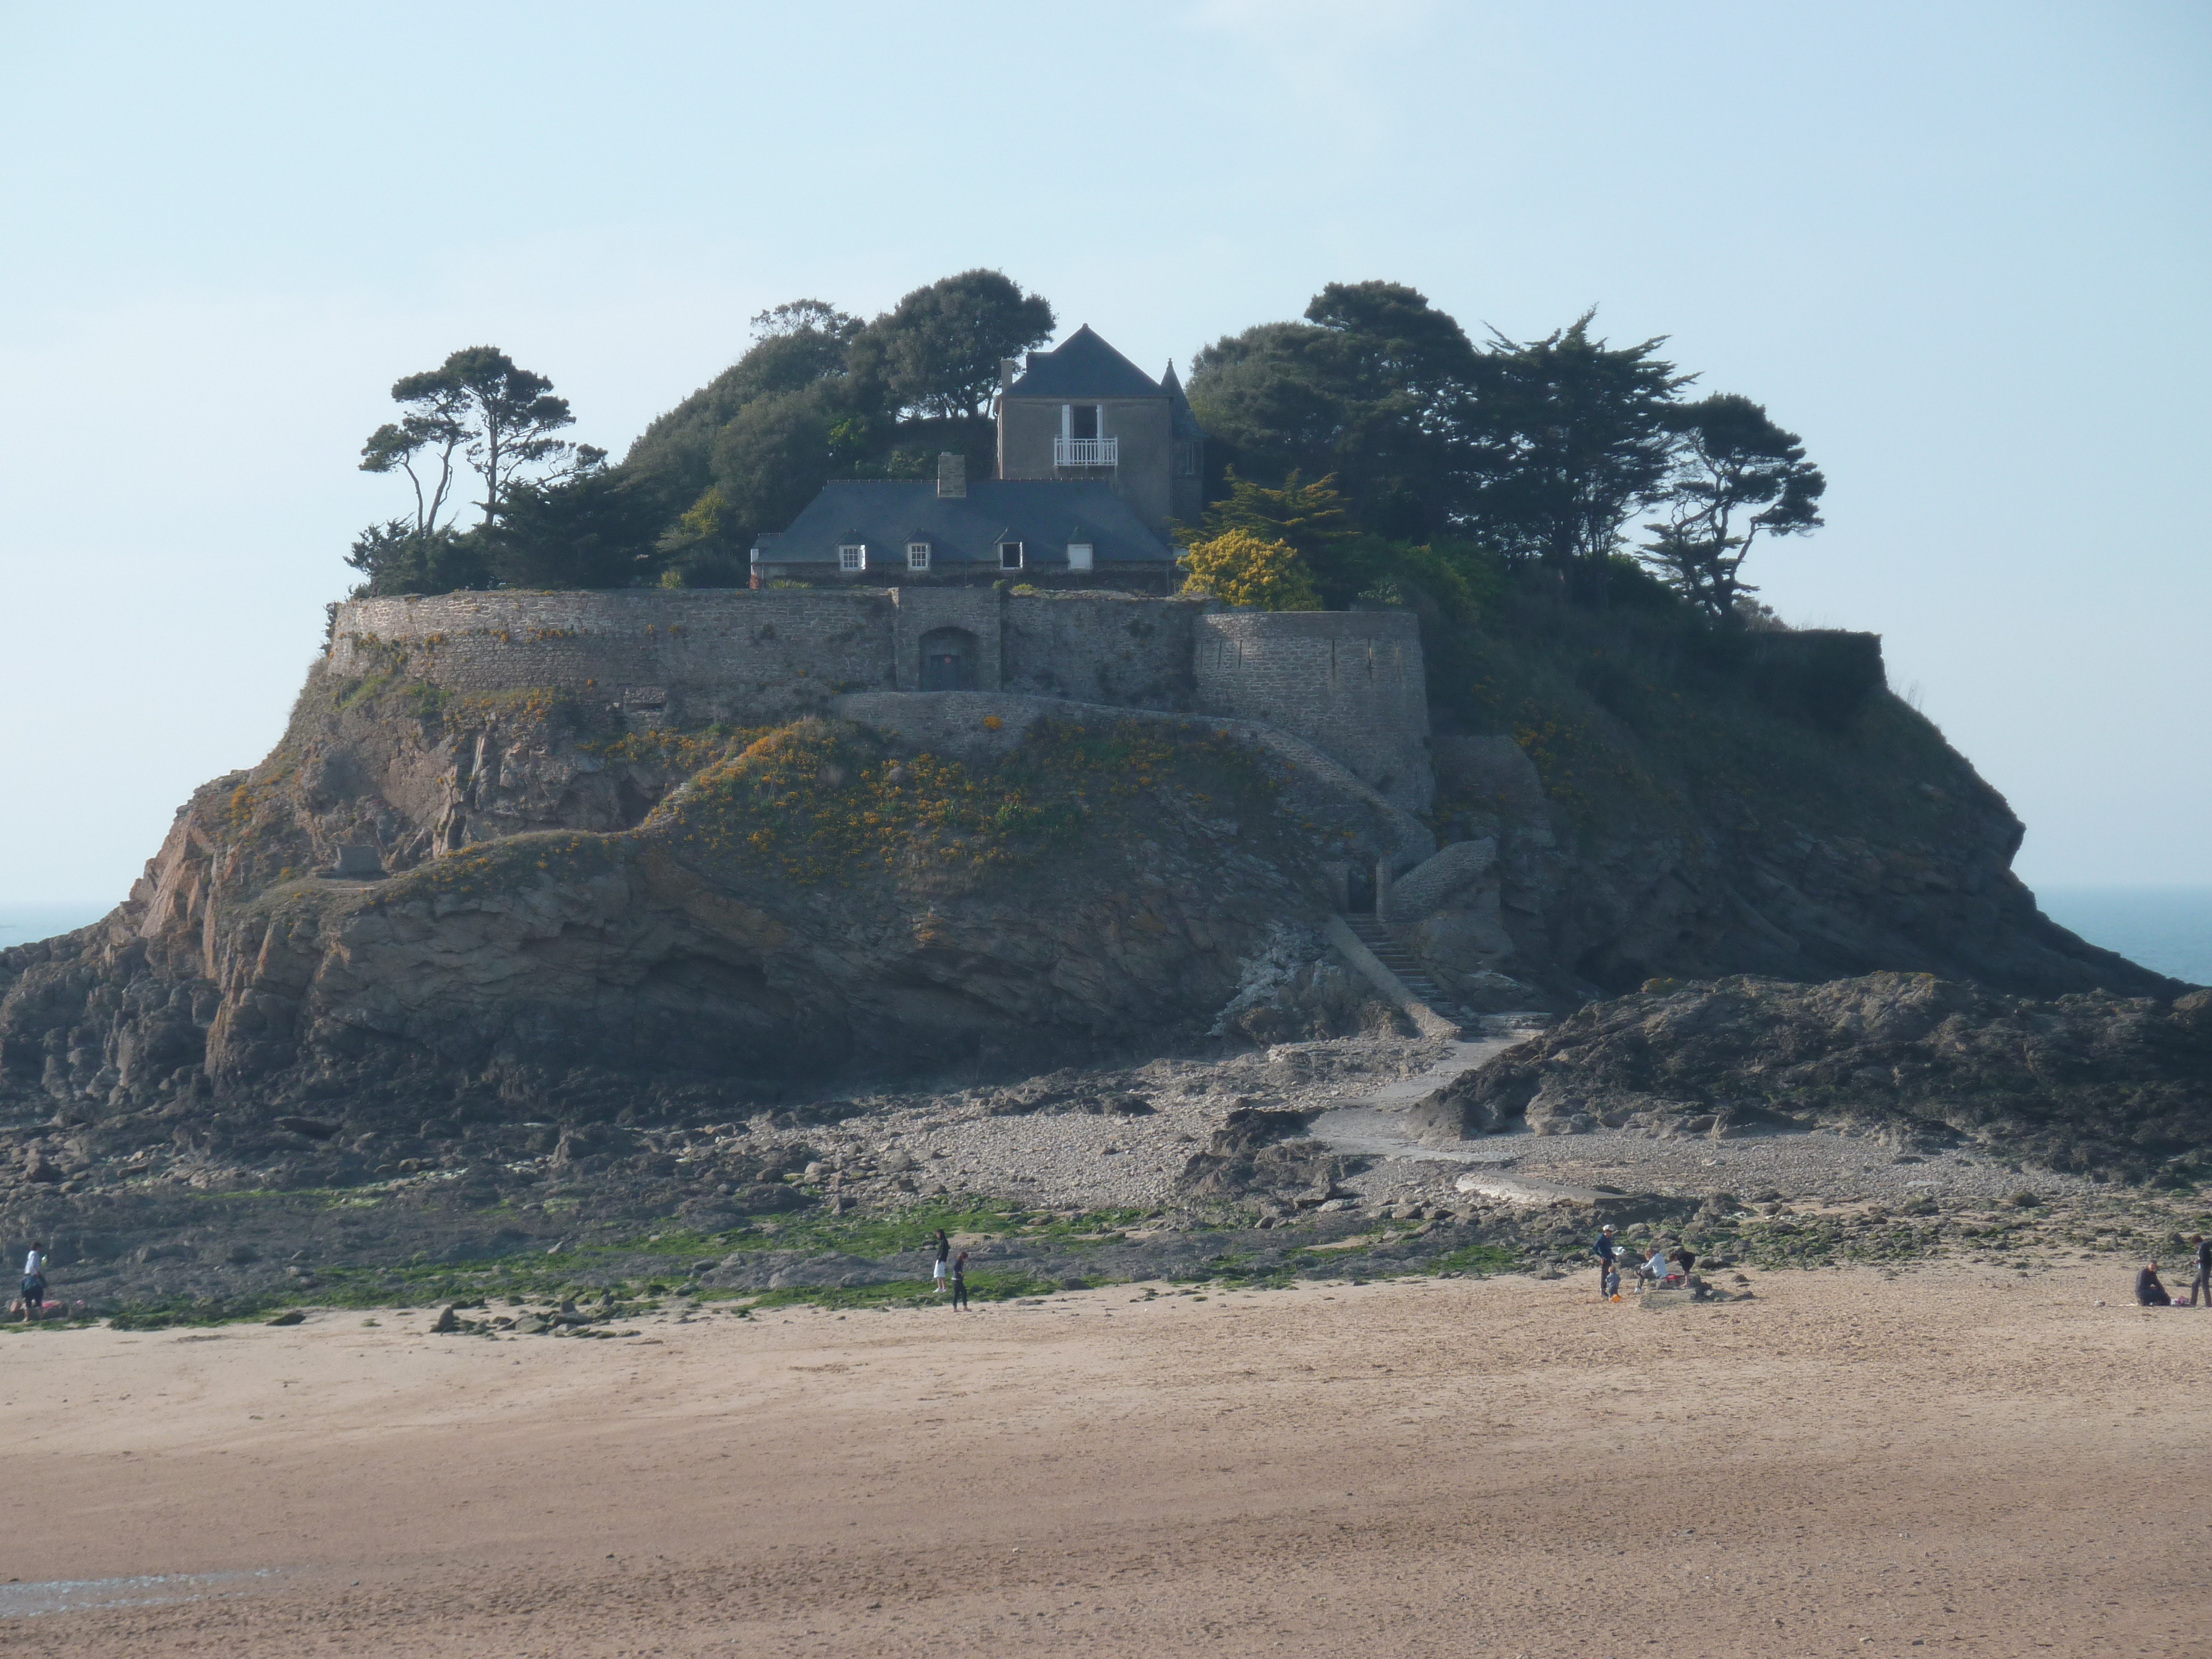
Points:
x=2151, y=1292
x=952, y=1268
x=1658, y=1270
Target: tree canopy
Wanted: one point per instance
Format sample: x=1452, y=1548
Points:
x=1734, y=474
x=500, y=417
x=1397, y=458
x=937, y=352
x=1537, y=454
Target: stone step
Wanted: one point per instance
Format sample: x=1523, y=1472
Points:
x=1377, y=936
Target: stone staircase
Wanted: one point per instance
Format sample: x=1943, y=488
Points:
x=1376, y=935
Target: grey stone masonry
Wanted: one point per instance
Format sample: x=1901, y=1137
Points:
x=1351, y=682
x=1097, y=647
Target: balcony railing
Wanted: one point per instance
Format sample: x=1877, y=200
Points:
x=1086, y=451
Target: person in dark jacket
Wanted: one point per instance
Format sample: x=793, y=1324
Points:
x=2204, y=1280
x=960, y=1281
x=2149, y=1292
x=1605, y=1249
x=35, y=1282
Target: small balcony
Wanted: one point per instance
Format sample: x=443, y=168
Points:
x=1086, y=451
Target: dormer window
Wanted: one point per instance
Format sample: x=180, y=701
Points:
x=852, y=555
x=1079, y=556
x=917, y=555
x=1010, y=555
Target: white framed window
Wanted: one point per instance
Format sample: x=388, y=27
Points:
x=1079, y=556
x=917, y=555
x=1010, y=555
x=852, y=555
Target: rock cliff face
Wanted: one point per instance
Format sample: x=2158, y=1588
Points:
x=558, y=907
x=580, y=917
x=2088, y=1082
x=1643, y=813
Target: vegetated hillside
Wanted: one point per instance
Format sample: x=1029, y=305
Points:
x=1705, y=800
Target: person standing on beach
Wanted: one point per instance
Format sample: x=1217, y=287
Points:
x=2204, y=1280
x=1604, y=1246
x=34, y=1281
x=960, y=1282
x=944, y=1253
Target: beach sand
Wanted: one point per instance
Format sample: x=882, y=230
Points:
x=1950, y=1462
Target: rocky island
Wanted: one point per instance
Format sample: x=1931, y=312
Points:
x=731, y=935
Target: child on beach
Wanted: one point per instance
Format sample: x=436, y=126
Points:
x=960, y=1282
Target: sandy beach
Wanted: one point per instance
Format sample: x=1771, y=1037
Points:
x=1851, y=1463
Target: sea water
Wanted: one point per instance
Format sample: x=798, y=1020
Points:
x=21, y=923
x=2166, y=929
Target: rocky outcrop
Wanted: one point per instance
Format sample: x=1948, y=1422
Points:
x=582, y=917
x=1582, y=860
x=2088, y=1082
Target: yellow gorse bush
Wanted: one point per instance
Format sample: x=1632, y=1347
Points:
x=1244, y=568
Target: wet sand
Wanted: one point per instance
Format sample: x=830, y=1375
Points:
x=1850, y=1464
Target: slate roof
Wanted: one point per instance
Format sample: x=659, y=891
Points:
x=1083, y=367
x=1044, y=514
x=1182, y=423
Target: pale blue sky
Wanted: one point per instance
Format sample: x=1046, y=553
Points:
x=1961, y=249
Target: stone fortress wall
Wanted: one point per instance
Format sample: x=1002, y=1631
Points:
x=1352, y=683
x=1349, y=683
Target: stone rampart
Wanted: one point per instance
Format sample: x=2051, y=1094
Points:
x=728, y=654
x=1351, y=682
x=1096, y=646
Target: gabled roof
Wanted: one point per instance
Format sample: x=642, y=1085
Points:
x=1044, y=514
x=1083, y=366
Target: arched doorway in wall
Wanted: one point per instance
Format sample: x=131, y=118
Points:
x=948, y=660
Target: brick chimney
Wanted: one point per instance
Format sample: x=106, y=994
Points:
x=951, y=476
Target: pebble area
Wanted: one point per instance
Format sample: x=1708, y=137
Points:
x=1056, y=1157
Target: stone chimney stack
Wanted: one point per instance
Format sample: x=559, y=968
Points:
x=951, y=476
x=1009, y=368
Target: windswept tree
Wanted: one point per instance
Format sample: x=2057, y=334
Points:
x=1735, y=473
x=936, y=353
x=1371, y=386
x=500, y=417
x=423, y=443
x=1570, y=439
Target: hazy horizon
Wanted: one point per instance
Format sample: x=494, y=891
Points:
x=1951, y=251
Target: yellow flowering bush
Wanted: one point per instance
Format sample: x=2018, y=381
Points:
x=1244, y=568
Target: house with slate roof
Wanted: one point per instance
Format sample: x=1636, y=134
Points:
x=1096, y=464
